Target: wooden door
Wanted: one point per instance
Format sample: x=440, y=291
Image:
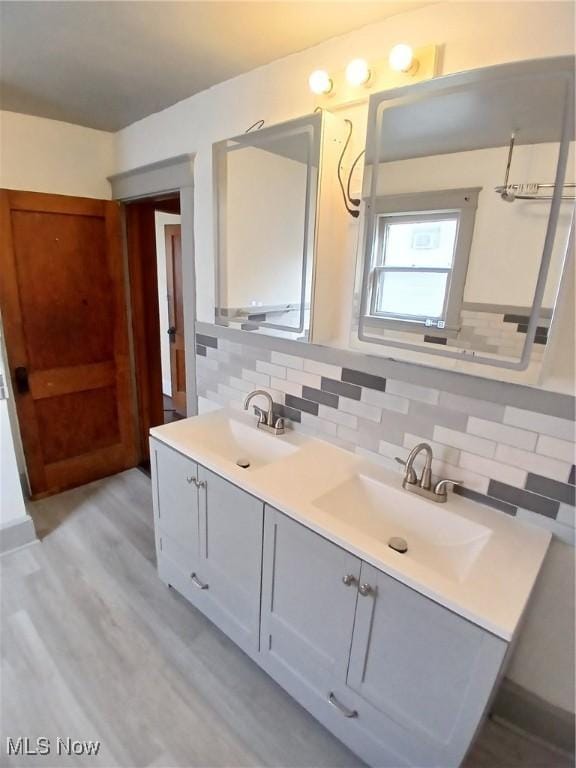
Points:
x=65, y=322
x=308, y=603
x=231, y=552
x=176, y=316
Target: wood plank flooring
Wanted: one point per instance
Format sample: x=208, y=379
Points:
x=94, y=646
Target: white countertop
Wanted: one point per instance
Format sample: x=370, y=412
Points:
x=493, y=593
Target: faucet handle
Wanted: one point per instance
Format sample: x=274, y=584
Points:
x=410, y=473
x=260, y=413
x=442, y=485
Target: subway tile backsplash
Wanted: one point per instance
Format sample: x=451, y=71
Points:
x=515, y=460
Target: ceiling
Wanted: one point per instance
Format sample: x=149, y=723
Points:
x=108, y=64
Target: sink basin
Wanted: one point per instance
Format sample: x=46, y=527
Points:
x=239, y=442
x=437, y=538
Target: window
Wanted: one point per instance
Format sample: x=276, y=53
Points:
x=420, y=258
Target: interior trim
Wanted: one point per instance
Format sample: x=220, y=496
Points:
x=539, y=400
x=163, y=176
x=175, y=174
x=17, y=533
x=535, y=716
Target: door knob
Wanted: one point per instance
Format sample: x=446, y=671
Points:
x=172, y=333
x=365, y=589
x=21, y=380
x=349, y=579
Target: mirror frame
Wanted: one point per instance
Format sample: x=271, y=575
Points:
x=310, y=125
x=560, y=66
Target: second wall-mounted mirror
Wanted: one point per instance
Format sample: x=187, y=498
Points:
x=471, y=195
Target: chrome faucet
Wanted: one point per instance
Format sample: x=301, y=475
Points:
x=423, y=487
x=266, y=418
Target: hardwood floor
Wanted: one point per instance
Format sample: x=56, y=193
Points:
x=94, y=646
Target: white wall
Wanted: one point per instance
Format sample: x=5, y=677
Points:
x=40, y=155
x=161, y=220
x=473, y=35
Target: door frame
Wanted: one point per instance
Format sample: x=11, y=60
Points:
x=172, y=176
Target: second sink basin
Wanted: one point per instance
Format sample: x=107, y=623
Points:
x=438, y=539
x=237, y=441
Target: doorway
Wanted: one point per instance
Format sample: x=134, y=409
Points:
x=154, y=249
x=171, y=312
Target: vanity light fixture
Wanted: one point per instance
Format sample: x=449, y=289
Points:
x=401, y=59
x=320, y=82
x=358, y=72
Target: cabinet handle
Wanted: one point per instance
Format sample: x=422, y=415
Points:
x=200, y=483
x=191, y=480
x=349, y=580
x=365, y=590
x=197, y=583
x=333, y=701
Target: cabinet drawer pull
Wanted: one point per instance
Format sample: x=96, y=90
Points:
x=365, y=590
x=197, y=583
x=340, y=707
x=349, y=580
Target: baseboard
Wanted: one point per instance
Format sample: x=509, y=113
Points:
x=16, y=534
x=534, y=715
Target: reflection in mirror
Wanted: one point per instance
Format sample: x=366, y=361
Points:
x=469, y=214
x=266, y=187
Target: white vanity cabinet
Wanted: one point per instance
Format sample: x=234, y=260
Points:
x=175, y=498
x=231, y=523
x=424, y=674
x=209, y=543
x=399, y=678
x=308, y=605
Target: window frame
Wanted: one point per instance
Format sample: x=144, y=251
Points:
x=433, y=206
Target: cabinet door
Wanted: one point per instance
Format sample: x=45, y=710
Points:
x=175, y=499
x=422, y=666
x=307, y=608
x=231, y=522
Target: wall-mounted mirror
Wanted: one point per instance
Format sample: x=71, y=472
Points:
x=470, y=195
x=266, y=186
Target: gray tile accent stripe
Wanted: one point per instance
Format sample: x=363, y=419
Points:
x=545, y=486
x=481, y=498
x=524, y=499
x=302, y=405
x=362, y=379
x=207, y=341
x=317, y=396
x=351, y=391
x=474, y=387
